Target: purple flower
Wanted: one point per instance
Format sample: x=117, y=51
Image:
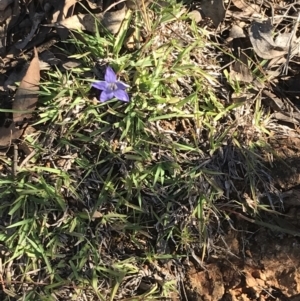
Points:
x=111, y=87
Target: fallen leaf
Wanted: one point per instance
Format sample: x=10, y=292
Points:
x=246, y=8
x=97, y=214
x=111, y=20
x=27, y=94
x=5, y=14
x=236, y=32
x=195, y=15
x=239, y=44
x=68, y=5
x=14, y=77
x=38, y=18
x=5, y=3
x=239, y=70
x=93, y=4
x=7, y=135
x=286, y=117
x=250, y=280
x=61, y=13
x=214, y=9
x=71, y=64
x=283, y=39
x=260, y=34
x=49, y=58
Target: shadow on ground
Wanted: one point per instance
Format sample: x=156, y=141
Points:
x=261, y=263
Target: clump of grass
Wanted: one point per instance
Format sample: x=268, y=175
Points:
x=115, y=190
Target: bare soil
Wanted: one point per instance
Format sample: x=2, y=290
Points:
x=261, y=264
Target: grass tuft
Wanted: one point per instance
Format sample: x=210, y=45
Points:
x=114, y=193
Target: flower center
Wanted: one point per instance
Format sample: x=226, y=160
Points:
x=113, y=86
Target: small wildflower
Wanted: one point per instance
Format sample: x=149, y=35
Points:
x=111, y=87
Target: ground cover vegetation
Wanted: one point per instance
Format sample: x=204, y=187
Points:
x=137, y=138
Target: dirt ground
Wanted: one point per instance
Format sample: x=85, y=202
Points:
x=262, y=264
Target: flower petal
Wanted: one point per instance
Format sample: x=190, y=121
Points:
x=100, y=85
x=121, y=95
x=121, y=85
x=110, y=75
x=106, y=95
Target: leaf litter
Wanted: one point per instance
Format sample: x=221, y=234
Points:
x=24, y=103
x=26, y=96
x=252, y=42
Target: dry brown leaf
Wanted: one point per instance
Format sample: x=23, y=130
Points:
x=7, y=135
x=250, y=280
x=15, y=77
x=5, y=14
x=92, y=4
x=97, y=214
x=286, y=117
x=239, y=70
x=27, y=94
x=260, y=34
x=247, y=9
x=213, y=9
x=236, y=32
x=5, y=3
x=111, y=20
x=71, y=64
x=195, y=15
x=67, y=6
x=62, y=10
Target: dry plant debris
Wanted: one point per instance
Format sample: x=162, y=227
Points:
x=26, y=96
x=177, y=194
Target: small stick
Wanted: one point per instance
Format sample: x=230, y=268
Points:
x=15, y=161
x=113, y=5
x=28, y=157
x=290, y=44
